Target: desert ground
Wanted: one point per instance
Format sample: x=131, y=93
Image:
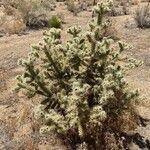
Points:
x=18, y=129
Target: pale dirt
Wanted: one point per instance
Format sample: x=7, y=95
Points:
x=15, y=118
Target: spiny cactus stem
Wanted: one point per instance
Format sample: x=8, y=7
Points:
x=41, y=84
x=56, y=106
x=26, y=87
x=92, y=42
x=99, y=19
x=93, y=47
x=59, y=73
x=82, y=126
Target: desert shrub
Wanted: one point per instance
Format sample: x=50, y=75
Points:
x=54, y=22
x=35, y=13
x=142, y=16
x=123, y=2
x=36, y=21
x=11, y=21
x=80, y=5
x=72, y=7
x=82, y=83
x=121, y=7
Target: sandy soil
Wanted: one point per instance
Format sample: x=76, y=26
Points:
x=15, y=119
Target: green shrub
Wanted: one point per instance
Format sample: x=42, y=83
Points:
x=82, y=83
x=54, y=22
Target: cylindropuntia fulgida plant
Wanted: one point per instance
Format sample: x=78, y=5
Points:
x=82, y=82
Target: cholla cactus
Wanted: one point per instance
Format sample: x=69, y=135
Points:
x=82, y=82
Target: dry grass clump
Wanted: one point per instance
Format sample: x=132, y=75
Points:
x=121, y=7
x=76, y=6
x=72, y=6
x=142, y=16
x=122, y=2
